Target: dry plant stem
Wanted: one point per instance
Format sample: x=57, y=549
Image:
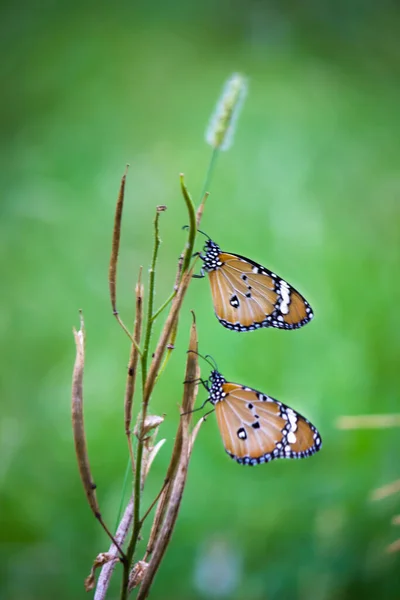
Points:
x=112, y=270
x=368, y=421
x=164, y=498
x=176, y=452
x=132, y=366
x=170, y=348
x=79, y=430
x=173, y=293
x=152, y=505
x=386, y=490
x=210, y=171
x=165, y=335
x=192, y=225
x=178, y=484
x=150, y=305
x=149, y=377
x=108, y=569
x=200, y=210
x=139, y=455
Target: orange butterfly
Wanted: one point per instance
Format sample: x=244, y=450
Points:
x=255, y=428
x=248, y=296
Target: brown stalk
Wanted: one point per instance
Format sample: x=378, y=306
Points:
x=178, y=483
x=108, y=569
x=368, y=421
x=112, y=270
x=132, y=365
x=200, y=210
x=165, y=335
x=78, y=428
x=386, y=490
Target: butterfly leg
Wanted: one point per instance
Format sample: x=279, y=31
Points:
x=208, y=413
x=203, y=382
x=201, y=276
x=196, y=409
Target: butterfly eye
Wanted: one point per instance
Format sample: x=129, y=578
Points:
x=248, y=296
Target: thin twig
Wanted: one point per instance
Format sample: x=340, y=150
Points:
x=173, y=293
x=132, y=366
x=156, y=499
x=164, y=337
x=107, y=571
x=78, y=427
x=200, y=210
x=210, y=171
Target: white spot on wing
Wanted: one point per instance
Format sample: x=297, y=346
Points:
x=292, y=419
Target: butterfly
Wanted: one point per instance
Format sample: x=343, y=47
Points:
x=255, y=428
x=248, y=296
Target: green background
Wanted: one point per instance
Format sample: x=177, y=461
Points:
x=310, y=188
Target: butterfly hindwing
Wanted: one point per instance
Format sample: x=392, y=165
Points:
x=248, y=296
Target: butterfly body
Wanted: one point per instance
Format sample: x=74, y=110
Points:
x=248, y=296
x=256, y=428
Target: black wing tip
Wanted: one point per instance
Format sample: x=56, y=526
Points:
x=268, y=322
x=275, y=454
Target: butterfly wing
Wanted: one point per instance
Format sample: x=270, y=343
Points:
x=248, y=296
x=255, y=428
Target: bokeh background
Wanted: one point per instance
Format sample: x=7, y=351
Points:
x=310, y=188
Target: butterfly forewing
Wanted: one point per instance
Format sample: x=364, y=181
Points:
x=248, y=296
x=255, y=428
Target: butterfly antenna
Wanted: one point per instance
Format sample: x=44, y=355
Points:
x=199, y=231
x=202, y=232
x=213, y=361
x=206, y=357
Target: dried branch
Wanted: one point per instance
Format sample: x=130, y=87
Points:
x=165, y=335
x=78, y=428
x=200, y=210
x=132, y=365
x=192, y=225
x=178, y=484
x=108, y=569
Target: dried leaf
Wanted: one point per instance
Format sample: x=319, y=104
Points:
x=100, y=560
x=137, y=574
x=150, y=422
x=152, y=455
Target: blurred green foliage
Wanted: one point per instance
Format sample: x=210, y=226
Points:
x=310, y=189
